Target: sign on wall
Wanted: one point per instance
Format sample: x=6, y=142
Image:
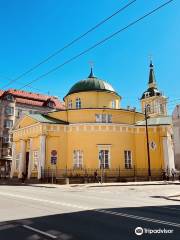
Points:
x=53, y=157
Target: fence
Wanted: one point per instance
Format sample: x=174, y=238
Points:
x=103, y=175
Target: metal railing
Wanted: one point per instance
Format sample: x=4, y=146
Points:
x=102, y=175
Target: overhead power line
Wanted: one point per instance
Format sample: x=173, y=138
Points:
x=98, y=43
x=70, y=43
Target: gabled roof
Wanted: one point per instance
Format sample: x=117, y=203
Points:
x=34, y=99
x=156, y=121
x=47, y=119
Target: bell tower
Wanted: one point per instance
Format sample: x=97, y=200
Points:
x=152, y=99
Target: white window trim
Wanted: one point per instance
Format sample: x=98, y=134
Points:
x=131, y=160
x=104, y=147
x=70, y=104
x=7, y=125
x=9, y=97
x=6, y=139
x=76, y=159
x=113, y=104
x=78, y=103
x=9, y=113
x=146, y=94
x=103, y=118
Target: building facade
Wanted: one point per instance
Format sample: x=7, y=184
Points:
x=176, y=130
x=14, y=104
x=93, y=132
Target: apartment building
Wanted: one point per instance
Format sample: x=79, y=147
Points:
x=14, y=104
x=176, y=129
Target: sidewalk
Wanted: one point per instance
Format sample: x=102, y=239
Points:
x=92, y=185
x=102, y=185
x=120, y=184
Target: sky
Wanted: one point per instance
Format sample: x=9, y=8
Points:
x=32, y=30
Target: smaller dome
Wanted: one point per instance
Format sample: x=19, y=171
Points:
x=92, y=83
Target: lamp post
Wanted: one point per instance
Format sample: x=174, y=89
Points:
x=147, y=142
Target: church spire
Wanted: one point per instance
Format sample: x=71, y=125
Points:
x=152, y=80
x=91, y=75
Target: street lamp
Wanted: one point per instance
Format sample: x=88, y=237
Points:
x=147, y=142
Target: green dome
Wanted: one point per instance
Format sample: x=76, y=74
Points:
x=92, y=83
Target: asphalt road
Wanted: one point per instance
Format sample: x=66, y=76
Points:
x=89, y=212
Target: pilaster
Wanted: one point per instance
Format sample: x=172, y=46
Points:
x=42, y=155
x=13, y=165
x=22, y=158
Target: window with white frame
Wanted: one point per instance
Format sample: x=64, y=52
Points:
x=8, y=123
x=78, y=103
x=104, y=158
x=146, y=94
x=70, y=104
x=9, y=97
x=6, y=139
x=17, y=160
x=128, y=159
x=113, y=104
x=77, y=159
x=35, y=161
x=9, y=111
x=148, y=108
x=161, y=106
x=50, y=104
x=104, y=118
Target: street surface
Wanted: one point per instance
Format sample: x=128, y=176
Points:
x=90, y=212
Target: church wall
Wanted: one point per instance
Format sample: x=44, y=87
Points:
x=89, y=115
x=94, y=99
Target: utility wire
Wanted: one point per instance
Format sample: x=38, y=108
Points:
x=70, y=43
x=98, y=43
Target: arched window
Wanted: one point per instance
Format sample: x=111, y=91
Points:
x=148, y=108
x=78, y=103
x=113, y=104
x=161, y=108
x=70, y=104
x=146, y=94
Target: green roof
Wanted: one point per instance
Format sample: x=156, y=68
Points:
x=156, y=121
x=46, y=119
x=92, y=83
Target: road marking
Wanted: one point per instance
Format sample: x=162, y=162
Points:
x=39, y=231
x=172, y=208
x=139, y=218
x=96, y=210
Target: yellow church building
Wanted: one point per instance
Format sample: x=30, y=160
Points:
x=93, y=133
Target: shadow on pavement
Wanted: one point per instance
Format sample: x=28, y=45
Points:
x=98, y=224
x=170, y=198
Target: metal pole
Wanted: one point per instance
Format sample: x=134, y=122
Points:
x=52, y=173
x=147, y=141
x=101, y=174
